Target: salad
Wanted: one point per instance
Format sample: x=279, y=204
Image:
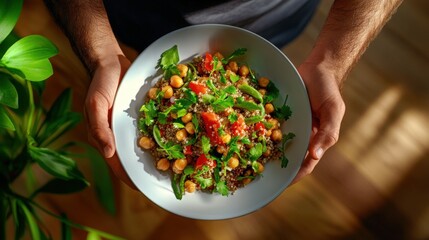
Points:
x=212, y=123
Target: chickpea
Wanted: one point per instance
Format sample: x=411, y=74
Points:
x=176, y=81
x=183, y=70
x=179, y=165
x=274, y=122
x=269, y=108
x=233, y=66
x=260, y=168
x=263, y=81
x=173, y=115
x=168, y=91
x=163, y=164
x=277, y=135
x=146, y=143
x=243, y=71
x=190, y=128
x=190, y=186
x=268, y=133
x=225, y=138
x=152, y=93
x=233, y=162
x=221, y=149
x=187, y=118
x=218, y=55
x=267, y=153
x=246, y=181
x=181, y=134
x=262, y=91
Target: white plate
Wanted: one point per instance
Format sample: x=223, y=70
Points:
x=266, y=60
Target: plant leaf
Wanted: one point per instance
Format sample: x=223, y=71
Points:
x=54, y=163
x=61, y=105
x=29, y=56
x=9, y=13
x=102, y=180
x=66, y=233
x=56, y=127
x=8, y=93
x=19, y=219
x=93, y=236
x=60, y=186
x=5, y=121
x=32, y=224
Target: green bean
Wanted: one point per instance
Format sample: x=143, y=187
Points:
x=251, y=91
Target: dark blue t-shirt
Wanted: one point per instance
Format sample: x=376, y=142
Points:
x=138, y=23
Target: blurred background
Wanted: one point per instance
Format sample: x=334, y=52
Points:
x=373, y=184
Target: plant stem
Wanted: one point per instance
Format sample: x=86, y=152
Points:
x=31, y=108
x=64, y=219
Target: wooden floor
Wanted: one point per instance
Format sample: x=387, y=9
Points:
x=374, y=184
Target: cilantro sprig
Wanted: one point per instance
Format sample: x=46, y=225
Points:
x=174, y=151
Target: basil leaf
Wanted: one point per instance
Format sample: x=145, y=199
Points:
x=9, y=14
x=29, y=57
x=8, y=93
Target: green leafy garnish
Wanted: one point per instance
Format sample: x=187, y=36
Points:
x=285, y=139
x=255, y=152
x=174, y=151
x=205, y=143
x=284, y=112
x=272, y=93
x=232, y=117
x=238, y=52
x=150, y=112
x=222, y=188
x=168, y=62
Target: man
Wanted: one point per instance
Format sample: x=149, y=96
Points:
x=350, y=27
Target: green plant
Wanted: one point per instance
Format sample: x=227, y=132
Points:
x=31, y=135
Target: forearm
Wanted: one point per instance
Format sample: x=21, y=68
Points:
x=86, y=24
x=350, y=27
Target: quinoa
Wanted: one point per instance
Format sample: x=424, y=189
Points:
x=212, y=123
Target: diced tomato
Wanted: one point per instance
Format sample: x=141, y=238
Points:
x=203, y=160
x=208, y=62
x=197, y=87
x=211, y=125
x=187, y=150
x=238, y=127
x=260, y=128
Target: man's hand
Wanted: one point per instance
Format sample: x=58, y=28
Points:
x=327, y=108
x=99, y=101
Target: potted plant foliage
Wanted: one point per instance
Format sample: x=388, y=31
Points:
x=30, y=134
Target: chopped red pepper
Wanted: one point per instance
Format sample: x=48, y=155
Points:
x=211, y=125
x=208, y=62
x=198, y=87
x=260, y=128
x=187, y=150
x=238, y=127
x=203, y=160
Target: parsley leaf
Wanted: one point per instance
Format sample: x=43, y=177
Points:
x=150, y=112
x=238, y=52
x=222, y=102
x=255, y=152
x=284, y=112
x=222, y=188
x=205, y=143
x=272, y=93
x=285, y=139
x=173, y=150
x=232, y=117
x=168, y=58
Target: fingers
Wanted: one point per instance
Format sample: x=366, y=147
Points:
x=326, y=129
x=99, y=133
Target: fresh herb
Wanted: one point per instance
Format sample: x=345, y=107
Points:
x=168, y=62
x=238, y=52
x=222, y=102
x=150, y=112
x=178, y=125
x=196, y=123
x=232, y=117
x=234, y=78
x=203, y=182
x=272, y=92
x=284, y=112
x=205, y=144
x=174, y=151
x=222, y=188
x=245, y=140
x=285, y=139
x=255, y=152
x=230, y=89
